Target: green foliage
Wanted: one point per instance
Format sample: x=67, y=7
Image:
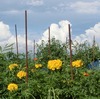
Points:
x=56, y=50
x=46, y=84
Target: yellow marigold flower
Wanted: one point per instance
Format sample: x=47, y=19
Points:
x=21, y=74
x=38, y=65
x=12, y=66
x=54, y=64
x=12, y=87
x=77, y=63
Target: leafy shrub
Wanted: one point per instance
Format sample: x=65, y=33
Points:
x=44, y=83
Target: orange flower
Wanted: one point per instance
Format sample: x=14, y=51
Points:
x=35, y=59
x=85, y=74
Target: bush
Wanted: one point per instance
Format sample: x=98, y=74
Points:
x=46, y=83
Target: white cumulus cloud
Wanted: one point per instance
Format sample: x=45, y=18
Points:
x=4, y=32
x=6, y=37
x=58, y=31
x=90, y=34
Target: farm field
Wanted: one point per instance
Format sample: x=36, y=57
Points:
x=50, y=49
x=49, y=74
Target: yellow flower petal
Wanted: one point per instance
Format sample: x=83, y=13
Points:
x=54, y=64
x=21, y=74
x=12, y=87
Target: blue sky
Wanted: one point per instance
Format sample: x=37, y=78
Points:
x=82, y=14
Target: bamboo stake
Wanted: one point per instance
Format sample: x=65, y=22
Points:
x=34, y=48
x=49, y=41
x=93, y=48
x=26, y=47
x=16, y=39
x=70, y=41
x=66, y=47
x=66, y=43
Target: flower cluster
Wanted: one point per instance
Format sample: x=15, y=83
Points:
x=21, y=74
x=12, y=87
x=77, y=63
x=38, y=65
x=54, y=64
x=12, y=66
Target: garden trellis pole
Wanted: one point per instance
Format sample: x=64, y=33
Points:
x=70, y=42
x=34, y=49
x=93, y=48
x=26, y=46
x=66, y=47
x=49, y=42
x=16, y=39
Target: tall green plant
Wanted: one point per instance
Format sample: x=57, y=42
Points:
x=57, y=51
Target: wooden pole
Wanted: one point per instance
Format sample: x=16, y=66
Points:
x=93, y=48
x=66, y=43
x=16, y=39
x=70, y=41
x=49, y=42
x=34, y=48
x=26, y=46
x=66, y=47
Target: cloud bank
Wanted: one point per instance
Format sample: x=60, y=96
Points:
x=60, y=32
x=4, y=32
x=90, y=34
x=6, y=37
